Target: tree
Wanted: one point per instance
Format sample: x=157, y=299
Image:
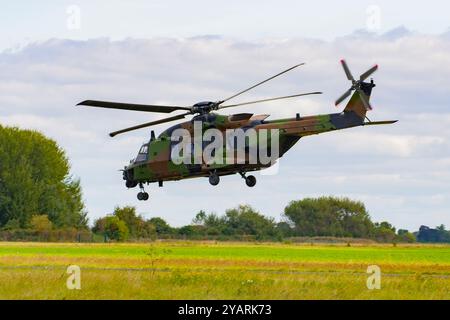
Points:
x=329, y=216
x=212, y=220
x=212, y=224
x=191, y=230
x=35, y=179
x=384, y=232
x=137, y=226
x=405, y=236
x=199, y=218
x=437, y=235
x=161, y=226
x=12, y=224
x=285, y=229
x=112, y=227
x=244, y=220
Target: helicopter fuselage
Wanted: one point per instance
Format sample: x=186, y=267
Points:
x=155, y=162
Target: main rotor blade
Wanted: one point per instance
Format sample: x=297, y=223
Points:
x=148, y=124
x=270, y=99
x=347, y=70
x=260, y=83
x=131, y=106
x=366, y=74
x=364, y=99
x=343, y=97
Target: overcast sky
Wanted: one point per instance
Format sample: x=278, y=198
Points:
x=182, y=52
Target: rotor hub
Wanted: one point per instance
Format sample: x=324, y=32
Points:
x=205, y=107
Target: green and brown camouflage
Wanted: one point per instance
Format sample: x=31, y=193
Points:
x=154, y=163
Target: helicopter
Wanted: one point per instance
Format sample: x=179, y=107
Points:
x=155, y=160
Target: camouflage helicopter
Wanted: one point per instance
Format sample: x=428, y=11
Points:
x=154, y=162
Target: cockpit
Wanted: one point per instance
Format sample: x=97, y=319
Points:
x=143, y=154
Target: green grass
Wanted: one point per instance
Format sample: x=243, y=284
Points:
x=208, y=270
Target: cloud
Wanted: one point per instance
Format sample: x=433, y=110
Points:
x=391, y=144
x=401, y=171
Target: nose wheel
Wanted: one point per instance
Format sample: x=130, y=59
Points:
x=142, y=196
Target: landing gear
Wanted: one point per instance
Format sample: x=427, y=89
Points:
x=214, y=179
x=249, y=180
x=142, y=196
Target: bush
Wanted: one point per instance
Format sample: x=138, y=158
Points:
x=62, y=235
x=137, y=226
x=41, y=223
x=405, y=236
x=161, y=226
x=112, y=227
x=384, y=232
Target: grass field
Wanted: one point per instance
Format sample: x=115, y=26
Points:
x=208, y=270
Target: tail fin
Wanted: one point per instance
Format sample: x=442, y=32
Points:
x=355, y=103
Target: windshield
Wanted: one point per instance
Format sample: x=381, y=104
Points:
x=142, y=155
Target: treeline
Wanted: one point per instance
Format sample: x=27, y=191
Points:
x=426, y=234
x=325, y=217
x=320, y=219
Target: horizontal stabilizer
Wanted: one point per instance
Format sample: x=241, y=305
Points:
x=374, y=123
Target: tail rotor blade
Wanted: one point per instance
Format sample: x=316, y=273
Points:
x=343, y=97
x=364, y=99
x=367, y=74
x=347, y=70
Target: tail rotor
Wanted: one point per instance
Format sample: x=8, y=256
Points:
x=357, y=85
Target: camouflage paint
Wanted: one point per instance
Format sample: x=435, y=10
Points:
x=159, y=167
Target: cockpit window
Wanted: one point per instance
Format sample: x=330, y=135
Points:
x=143, y=153
x=144, y=149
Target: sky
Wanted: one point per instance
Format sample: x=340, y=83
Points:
x=54, y=54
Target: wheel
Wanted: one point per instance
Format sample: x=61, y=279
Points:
x=145, y=196
x=140, y=196
x=250, y=181
x=214, y=179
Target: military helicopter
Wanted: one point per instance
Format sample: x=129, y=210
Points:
x=154, y=162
